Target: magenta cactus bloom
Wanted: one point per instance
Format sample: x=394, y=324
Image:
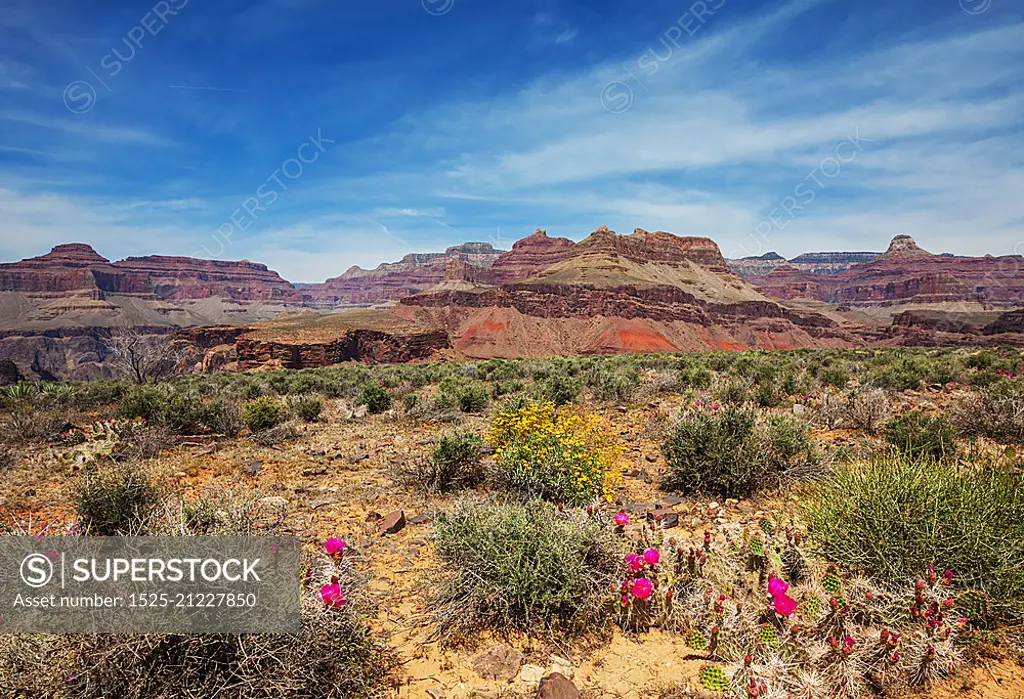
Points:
x=332, y=595
x=334, y=546
x=785, y=605
x=621, y=519
x=634, y=563
x=651, y=557
x=777, y=586
x=642, y=588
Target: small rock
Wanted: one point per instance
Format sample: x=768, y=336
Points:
x=360, y=411
x=359, y=456
x=436, y=694
x=253, y=467
x=556, y=686
x=321, y=502
x=310, y=472
x=664, y=518
x=561, y=666
x=799, y=408
x=180, y=474
x=501, y=662
x=671, y=501
x=421, y=518
x=531, y=674
x=651, y=458
x=274, y=501
x=374, y=516
x=391, y=523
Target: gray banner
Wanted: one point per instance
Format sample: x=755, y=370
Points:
x=149, y=584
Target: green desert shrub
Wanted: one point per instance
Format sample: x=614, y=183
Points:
x=618, y=385
x=919, y=435
x=521, y=566
x=115, y=499
x=730, y=453
x=470, y=395
x=893, y=517
x=453, y=464
x=375, y=397
x=262, y=413
x=308, y=407
x=867, y=409
x=558, y=388
x=836, y=375
x=995, y=412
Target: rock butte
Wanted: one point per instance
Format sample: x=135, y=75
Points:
x=645, y=291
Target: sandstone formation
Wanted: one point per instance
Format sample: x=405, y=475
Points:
x=529, y=256
x=76, y=267
x=814, y=263
x=906, y=274
x=414, y=273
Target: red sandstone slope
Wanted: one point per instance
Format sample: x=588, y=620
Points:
x=907, y=274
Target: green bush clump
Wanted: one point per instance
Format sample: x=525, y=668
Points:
x=470, y=395
x=617, y=385
x=558, y=388
x=895, y=516
x=837, y=376
x=115, y=499
x=919, y=435
x=308, y=407
x=375, y=397
x=262, y=413
x=729, y=453
x=521, y=566
x=995, y=412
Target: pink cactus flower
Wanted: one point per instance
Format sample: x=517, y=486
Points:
x=642, y=588
x=651, y=557
x=634, y=563
x=777, y=586
x=334, y=547
x=621, y=519
x=785, y=605
x=332, y=595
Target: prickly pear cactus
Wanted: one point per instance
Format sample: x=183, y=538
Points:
x=794, y=565
x=831, y=582
x=695, y=639
x=713, y=679
x=766, y=527
x=767, y=635
x=812, y=607
x=757, y=547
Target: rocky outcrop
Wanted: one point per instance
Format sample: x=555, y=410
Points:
x=77, y=268
x=907, y=274
x=658, y=248
x=815, y=263
x=370, y=346
x=186, y=278
x=787, y=282
x=1010, y=322
x=529, y=256
x=414, y=273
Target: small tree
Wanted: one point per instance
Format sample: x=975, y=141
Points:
x=143, y=358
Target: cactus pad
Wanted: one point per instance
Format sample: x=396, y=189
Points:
x=756, y=547
x=713, y=679
x=695, y=639
x=812, y=607
x=767, y=635
x=831, y=583
x=766, y=527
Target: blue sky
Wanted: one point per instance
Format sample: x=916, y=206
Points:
x=790, y=126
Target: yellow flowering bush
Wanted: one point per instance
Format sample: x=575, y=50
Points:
x=558, y=453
